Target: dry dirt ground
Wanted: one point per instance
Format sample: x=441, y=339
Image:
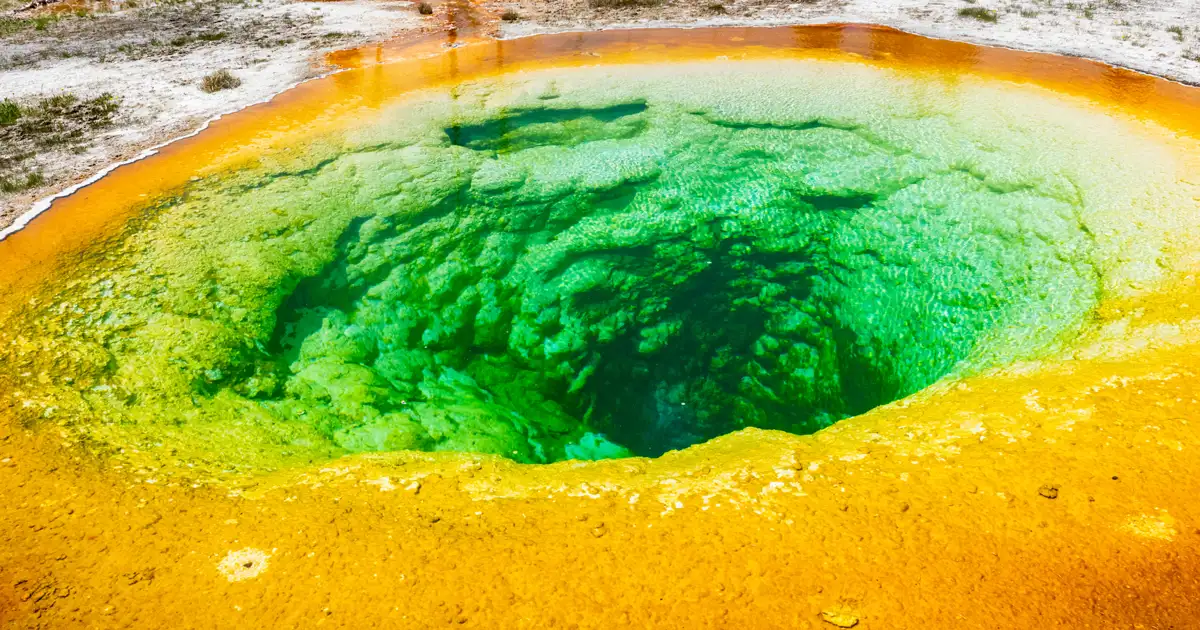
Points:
x=85, y=85
x=152, y=60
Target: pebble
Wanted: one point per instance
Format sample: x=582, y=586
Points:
x=839, y=618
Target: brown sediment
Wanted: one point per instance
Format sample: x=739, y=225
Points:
x=928, y=513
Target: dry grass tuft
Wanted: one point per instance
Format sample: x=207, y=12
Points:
x=219, y=80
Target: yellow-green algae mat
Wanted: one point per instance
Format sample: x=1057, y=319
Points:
x=596, y=262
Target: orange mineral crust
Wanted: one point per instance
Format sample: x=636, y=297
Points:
x=1058, y=493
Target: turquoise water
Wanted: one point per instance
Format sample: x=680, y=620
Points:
x=718, y=275
x=580, y=264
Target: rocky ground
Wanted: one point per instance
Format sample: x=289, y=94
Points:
x=85, y=85
x=1157, y=36
x=92, y=87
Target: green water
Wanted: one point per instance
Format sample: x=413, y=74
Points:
x=584, y=264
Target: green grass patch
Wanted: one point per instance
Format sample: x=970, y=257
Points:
x=11, y=25
x=44, y=22
x=18, y=183
x=63, y=122
x=9, y=112
x=979, y=13
x=63, y=119
x=1089, y=10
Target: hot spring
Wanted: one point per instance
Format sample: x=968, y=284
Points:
x=809, y=327
x=598, y=261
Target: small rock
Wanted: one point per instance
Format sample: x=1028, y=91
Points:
x=599, y=531
x=839, y=617
x=414, y=487
x=1049, y=491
